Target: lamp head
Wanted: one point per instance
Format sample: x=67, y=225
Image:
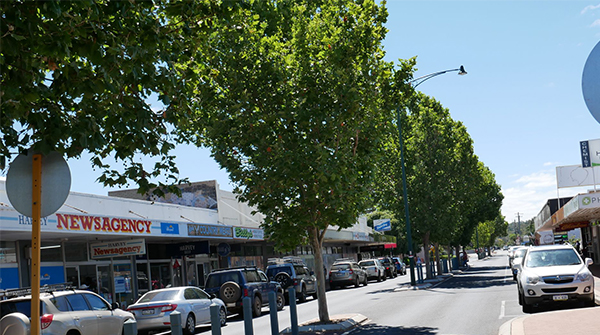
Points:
x=461, y=71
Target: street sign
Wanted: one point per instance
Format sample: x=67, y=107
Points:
x=382, y=225
x=56, y=183
x=590, y=84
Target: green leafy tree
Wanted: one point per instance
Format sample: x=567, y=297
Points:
x=298, y=115
x=80, y=75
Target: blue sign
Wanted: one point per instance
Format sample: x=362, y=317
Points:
x=382, y=225
x=223, y=249
x=9, y=278
x=585, y=154
x=51, y=275
x=169, y=228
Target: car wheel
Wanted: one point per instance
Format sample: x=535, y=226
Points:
x=222, y=316
x=302, y=296
x=315, y=296
x=520, y=299
x=590, y=303
x=230, y=292
x=332, y=287
x=190, y=325
x=284, y=279
x=257, y=306
x=384, y=276
x=366, y=282
x=280, y=301
x=356, y=282
x=378, y=278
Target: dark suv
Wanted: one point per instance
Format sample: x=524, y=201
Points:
x=390, y=267
x=232, y=285
x=293, y=274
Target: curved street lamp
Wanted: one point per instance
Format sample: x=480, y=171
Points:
x=415, y=82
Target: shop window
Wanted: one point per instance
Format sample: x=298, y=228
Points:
x=76, y=252
x=8, y=253
x=51, y=252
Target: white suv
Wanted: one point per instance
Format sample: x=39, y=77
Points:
x=64, y=311
x=554, y=274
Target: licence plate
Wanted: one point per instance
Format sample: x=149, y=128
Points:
x=147, y=311
x=561, y=297
x=230, y=304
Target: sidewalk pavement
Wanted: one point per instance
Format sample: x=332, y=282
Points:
x=580, y=321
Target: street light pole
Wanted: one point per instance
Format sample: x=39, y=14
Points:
x=416, y=82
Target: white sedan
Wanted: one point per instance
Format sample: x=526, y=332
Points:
x=153, y=310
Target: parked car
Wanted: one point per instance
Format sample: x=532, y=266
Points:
x=554, y=274
x=66, y=310
x=513, y=253
x=390, y=268
x=292, y=272
x=232, y=285
x=518, y=256
x=373, y=268
x=400, y=266
x=346, y=273
x=153, y=310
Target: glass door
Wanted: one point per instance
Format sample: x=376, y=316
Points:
x=73, y=276
x=123, y=284
x=105, y=286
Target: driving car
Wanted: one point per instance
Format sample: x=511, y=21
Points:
x=292, y=272
x=234, y=284
x=554, y=274
x=344, y=273
x=153, y=310
x=390, y=268
x=373, y=268
x=65, y=310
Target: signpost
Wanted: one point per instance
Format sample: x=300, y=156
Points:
x=37, y=186
x=590, y=85
x=382, y=225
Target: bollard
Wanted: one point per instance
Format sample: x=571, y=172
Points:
x=130, y=327
x=293, y=311
x=247, y=305
x=420, y=273
x=215, y=320
x=273, y=313
x=175, y=319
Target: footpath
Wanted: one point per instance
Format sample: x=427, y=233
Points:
x=579, y=321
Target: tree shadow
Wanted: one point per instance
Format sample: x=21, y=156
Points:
x=479, y=277
x=374, y=329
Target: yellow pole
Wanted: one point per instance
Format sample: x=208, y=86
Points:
x=36, y=208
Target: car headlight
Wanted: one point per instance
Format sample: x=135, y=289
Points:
x=583, y=276
x=532, y=279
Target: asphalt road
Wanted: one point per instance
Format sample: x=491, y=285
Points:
x=475, y=302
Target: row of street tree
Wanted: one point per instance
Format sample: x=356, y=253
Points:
x=293, y=98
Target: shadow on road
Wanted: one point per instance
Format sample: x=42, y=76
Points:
x=479, y=277
x=373, y=329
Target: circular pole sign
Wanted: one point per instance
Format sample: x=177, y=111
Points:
x=56, y=183
x=590, y=82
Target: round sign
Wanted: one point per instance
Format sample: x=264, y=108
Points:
x=56, y=183
x=590, y=82
x=223, y=249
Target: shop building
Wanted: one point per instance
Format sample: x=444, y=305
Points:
x=123, y=245
x=579, y=212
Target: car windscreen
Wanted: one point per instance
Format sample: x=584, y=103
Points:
x=520, y=253
x=159, y=296
x=384, y=261
x=340, y=267
x=367, y=263
x=273, y=271
x=557, y=257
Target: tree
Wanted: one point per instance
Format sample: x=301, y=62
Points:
x=298, y=115
x=80, y=76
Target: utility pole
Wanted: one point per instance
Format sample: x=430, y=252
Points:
x=519, y=225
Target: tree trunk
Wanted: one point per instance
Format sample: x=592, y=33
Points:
x=438, y=261
x=458, y=256
x=426, y=252
x=317, y=245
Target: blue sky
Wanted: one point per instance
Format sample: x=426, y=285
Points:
x=521, y=100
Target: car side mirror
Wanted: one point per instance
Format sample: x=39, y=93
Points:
x=212, y=296
x=589, y=261
x=115, y=305
x=517, y=266
x=312, y=273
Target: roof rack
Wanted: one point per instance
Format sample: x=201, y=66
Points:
x=248, y=267
x=19, y=292
x=287, y=259
x=344, y=260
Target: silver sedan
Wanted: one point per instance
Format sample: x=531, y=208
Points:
x=153, y=310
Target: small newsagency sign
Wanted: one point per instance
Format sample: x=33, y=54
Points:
x=382, y=225
x=248, y=233
x=117, y=249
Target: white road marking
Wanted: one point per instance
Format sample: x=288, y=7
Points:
x=502, y=309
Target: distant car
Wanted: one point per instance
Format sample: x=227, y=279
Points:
x=518, y=256
x=293, y=274
x=374, y=269
x=554, y=274
x=347, y=273
x=400, y=266
x=505, y=247
x=390, y=268
x=153, y=310
x=67, y=311
x=232, y=285
x=511, y=254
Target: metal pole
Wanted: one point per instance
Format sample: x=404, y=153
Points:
x=247, y=313
x=36, y=210
x=293, y=311
x=215, y=322
x=405, y=196
x=273, y=313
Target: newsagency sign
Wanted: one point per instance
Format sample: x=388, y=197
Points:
x=118, y=249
